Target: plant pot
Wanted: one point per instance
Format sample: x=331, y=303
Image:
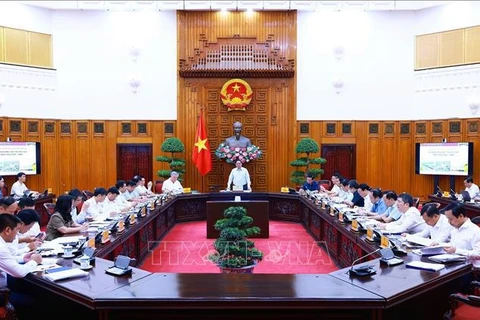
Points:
x=247, y=269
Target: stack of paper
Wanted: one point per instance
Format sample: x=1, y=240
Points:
x=444, y=258
x=64, y=273
x=425, y=266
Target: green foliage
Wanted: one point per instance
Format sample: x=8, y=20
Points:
x=233, y=249
x=172, y=145
x=307, y=146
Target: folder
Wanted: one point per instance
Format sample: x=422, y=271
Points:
x=425, y=266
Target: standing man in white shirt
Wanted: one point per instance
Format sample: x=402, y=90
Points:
x=471, y=187
x=239, y=177
x=172, y=185
x=465, y=236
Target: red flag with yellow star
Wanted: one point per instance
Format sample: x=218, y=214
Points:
x=201, y=150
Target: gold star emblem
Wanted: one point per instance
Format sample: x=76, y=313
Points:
x=236, y=87
x=200, y=144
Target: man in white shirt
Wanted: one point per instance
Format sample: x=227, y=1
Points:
x=239, y=178
x=471, y=187
x=15, y=266
x=412, y=221
x=465, y=235
x=172, y=185
x=110, y=206
x=121, y=200
x=438, y=229
x=17, y=247
x=93, y=207
x=19, y=187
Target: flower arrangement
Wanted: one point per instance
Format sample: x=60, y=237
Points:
x=231, y=155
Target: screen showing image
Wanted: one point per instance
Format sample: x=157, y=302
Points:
x=18, y=157
x=444, y=158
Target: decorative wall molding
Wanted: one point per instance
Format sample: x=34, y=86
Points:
x=451, y=78
x=29, y=78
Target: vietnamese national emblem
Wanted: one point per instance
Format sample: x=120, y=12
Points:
x=236, y=94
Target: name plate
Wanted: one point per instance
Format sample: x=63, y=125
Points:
x=144, y=211
x=105, y=236
x=284, y=190
x=133, y=219
x=340, y=216
x=121, y=226
x=187, y=190
x=323, y=205
x=332, y=212
x=354, y=225
x=384, y=243
x=370, y=234
x=91, y=243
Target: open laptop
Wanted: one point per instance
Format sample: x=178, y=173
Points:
x=466, y=196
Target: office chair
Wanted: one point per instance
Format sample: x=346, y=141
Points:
x=465, y=307
x=50, y=207
x=7, y=311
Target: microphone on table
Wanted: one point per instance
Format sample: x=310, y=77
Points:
x=440, y=191
x=366, y=270
x=452, y=194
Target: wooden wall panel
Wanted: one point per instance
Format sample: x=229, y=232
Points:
x=472, y=45
x=40, y=50
x=67, y=167
x=85, y=179
x=427, y=53
x=85, y=160
x=452, y=49
x=16, y=46
x=274, y=123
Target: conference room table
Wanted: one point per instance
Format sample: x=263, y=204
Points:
x=391, y=293
x=472, y=209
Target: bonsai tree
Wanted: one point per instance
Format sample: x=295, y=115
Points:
x=233, y=249
x=172, y=145
x=307, y=146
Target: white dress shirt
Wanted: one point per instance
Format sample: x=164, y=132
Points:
x=122, y=202
x=439, y=233
x=10, y=264
x=239, y=177
x=172, y=187
x=110, y=206
x=18, y=189
x=412, y=223
x=466, y=240
x=473, y=190
x=95, y=208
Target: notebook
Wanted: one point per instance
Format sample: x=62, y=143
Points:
x=425, y=266
x=64, y=273
x=429, y=251
x=447, y=257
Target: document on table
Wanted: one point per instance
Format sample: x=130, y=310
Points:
x=425, y=266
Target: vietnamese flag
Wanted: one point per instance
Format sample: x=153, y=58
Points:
x=201, y=150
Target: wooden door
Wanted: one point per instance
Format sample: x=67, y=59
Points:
x=133, y=159
x=341, y=159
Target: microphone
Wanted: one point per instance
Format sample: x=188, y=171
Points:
x=439, y=190
x=453, y=194
x=366, y=270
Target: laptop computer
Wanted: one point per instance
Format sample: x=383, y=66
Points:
x=466, y=196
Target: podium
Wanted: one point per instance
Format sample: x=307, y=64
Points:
x=256, y=209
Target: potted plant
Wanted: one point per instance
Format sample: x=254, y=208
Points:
x=307, y=146
x=234, y=252
x=172, y=145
